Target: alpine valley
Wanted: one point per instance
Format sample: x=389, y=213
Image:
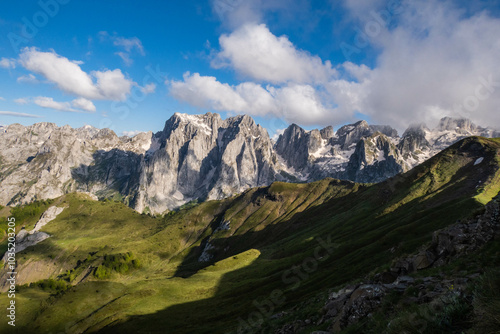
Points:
x=209, y=226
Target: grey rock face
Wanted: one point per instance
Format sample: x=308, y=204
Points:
x=314, y=155
x=414, y=140
x=368, y=153
x=293, y=146
x=375, y=159
x=45, y=161
x=204, y=157
x=198, y=157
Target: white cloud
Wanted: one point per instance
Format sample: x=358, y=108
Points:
x=48, y=102
x=129, y=44
x=148, y=89
x=112, y=84
x=435, y=63
x=21, y=101
x=77, y=105
x=18, y=114
x=7, y=63
x=255, y=52
x=83, y=104
x=131, y=133
x=2, y=99
x=125, y=57
x=207, y=92
x=68, y=76
x=30, y=78
x=295, y=102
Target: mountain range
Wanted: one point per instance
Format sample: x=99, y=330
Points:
x=200, y=157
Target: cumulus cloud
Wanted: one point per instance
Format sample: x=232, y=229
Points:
x=2, y=99
x=48, y=102
x=68, y=76
x=30, y=78
x=18, y=114
x=294, y=102
x=277, y=134
x=129, y=44
x=83, y=104
x=77, y=105
x=255, y=52
x=435, y=63
x=148, y=89
x=21, y=101
x=7, y=63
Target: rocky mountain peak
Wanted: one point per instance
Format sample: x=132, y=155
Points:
x=349, y=135
x=457, y=124
x=416, y=129
x=292, y=146
x=327, y=132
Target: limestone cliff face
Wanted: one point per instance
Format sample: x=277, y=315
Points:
x=198, y=157
x=375, y=159
x=204, y=157
x=45, y=161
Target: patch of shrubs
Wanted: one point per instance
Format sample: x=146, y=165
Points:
x=120, y=263
x=70, y=275
x=55, y=286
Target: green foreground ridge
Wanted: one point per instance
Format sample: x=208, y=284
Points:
x=418, y=253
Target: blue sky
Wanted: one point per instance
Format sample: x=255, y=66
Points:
x=129, y=65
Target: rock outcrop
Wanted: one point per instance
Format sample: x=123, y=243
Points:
x=25, y=239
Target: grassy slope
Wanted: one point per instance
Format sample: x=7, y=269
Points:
x=272, y=229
